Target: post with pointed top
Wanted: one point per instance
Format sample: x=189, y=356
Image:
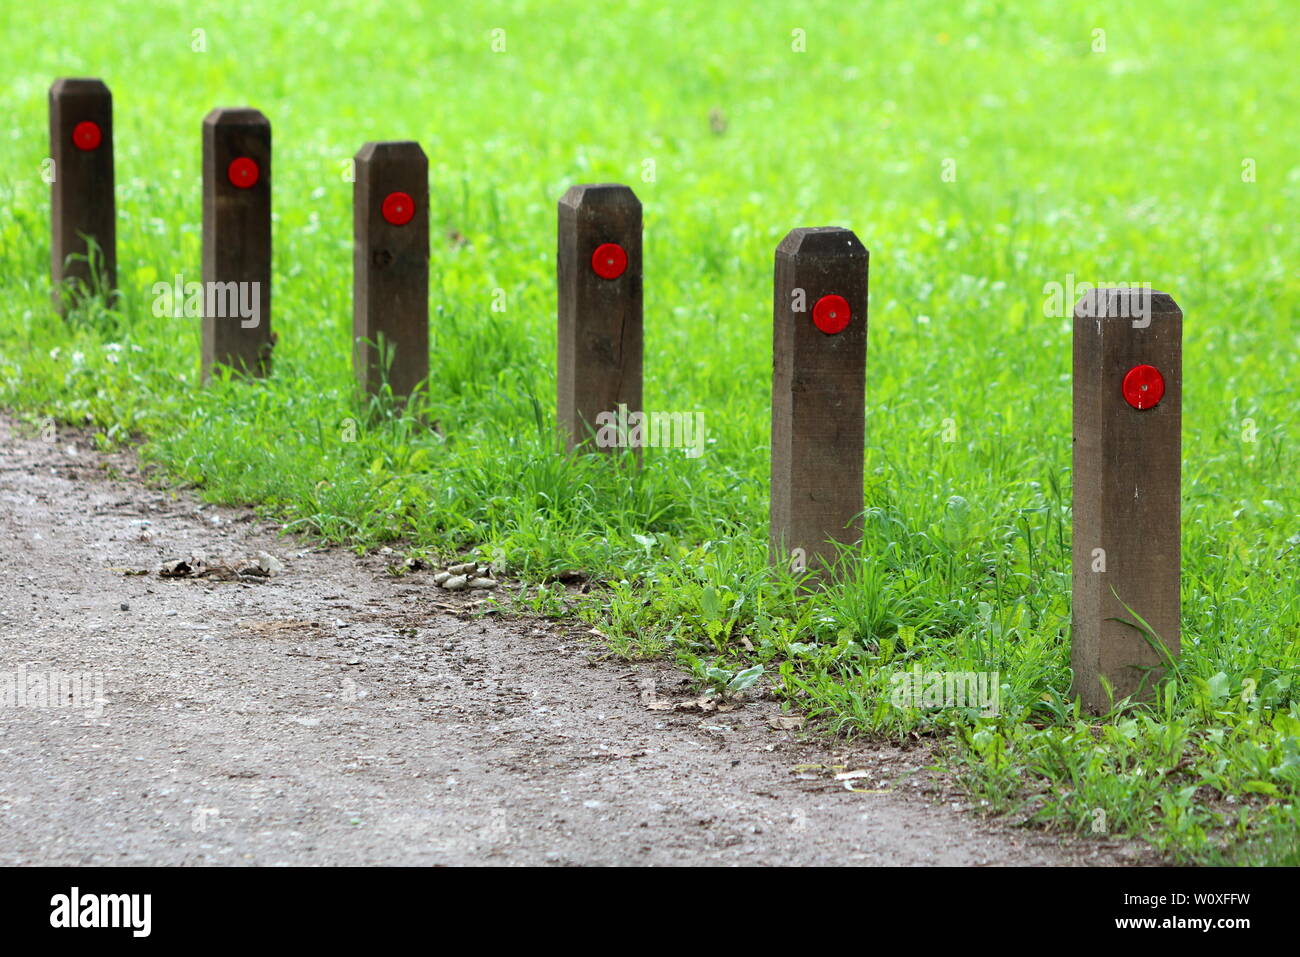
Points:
x=237, y=242
x=1128, y=396
x=598, y=267
x=81, y=190
x=390, y=267
x=819, y=363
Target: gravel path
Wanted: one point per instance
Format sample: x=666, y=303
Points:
x=336, y=714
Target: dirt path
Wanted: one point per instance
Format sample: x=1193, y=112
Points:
x=338, y=715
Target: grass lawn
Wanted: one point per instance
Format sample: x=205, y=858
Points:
x=980, y=150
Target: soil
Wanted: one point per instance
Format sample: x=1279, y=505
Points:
x=336, y=714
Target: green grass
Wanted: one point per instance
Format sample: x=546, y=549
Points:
x=1124, y=165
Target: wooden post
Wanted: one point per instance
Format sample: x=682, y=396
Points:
x=81, y=190
x=390, y=265
x=237, y=241
x=1128, y=392
x=600, y=324
x=819, y=361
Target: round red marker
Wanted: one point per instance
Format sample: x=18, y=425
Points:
x=398, y=208
x=243, y=172
x=87, y=136
x=609, y=261
x=831, y=314
x=1144, y=387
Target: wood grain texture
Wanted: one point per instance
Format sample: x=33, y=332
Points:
x=1127, y=487
x=237, y=238
x=81, y=194
x=818, y=397
x=600, y=335
x=390, y=268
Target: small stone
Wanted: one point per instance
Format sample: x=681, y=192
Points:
x=462, y=569
x=482, y=583
x=455, y=583
x=269, y=563
x=125, y=606
x=441, y=577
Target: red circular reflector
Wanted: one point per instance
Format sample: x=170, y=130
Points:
x=831, y=314
x=1144, y=387
x=86, y=135
x=398, y=208
x=609, y=261
x=242, y=172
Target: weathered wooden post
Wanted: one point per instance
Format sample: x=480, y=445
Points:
x=237, y=241
x=81, y=189
x=819, y=361
x=598, y=265
x=390, y=266
x=1128, y=385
